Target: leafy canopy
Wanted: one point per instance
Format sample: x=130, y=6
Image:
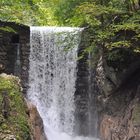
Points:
x=112, y=23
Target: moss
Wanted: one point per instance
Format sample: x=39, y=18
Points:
x=136, y=115
x=16, y=122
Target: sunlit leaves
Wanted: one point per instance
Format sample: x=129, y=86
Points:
x=120, y=44
x=108, y=19
x=127, y=26
x=7, y=29
x=30, y=12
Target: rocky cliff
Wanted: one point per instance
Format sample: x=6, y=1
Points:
x=119, y=99
x=14, y=123
x=19, y=119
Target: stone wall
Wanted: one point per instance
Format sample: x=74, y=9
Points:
x=9, y=43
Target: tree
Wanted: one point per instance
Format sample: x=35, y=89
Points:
x=113, y=23
x=29, y=12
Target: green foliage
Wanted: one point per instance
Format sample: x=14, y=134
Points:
x=7, y=29
x=16, y=123
x=29, y=12
x=64, y=11
x=114, y=23
x=120, y=44
x=136, y=114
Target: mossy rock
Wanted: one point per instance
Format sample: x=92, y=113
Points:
x=136, y=115
x=15, y=122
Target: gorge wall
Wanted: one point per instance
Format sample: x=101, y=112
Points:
x=119, y=102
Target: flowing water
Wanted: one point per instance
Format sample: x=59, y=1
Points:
x=52, y=78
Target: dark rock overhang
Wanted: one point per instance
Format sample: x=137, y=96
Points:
x=20, y=28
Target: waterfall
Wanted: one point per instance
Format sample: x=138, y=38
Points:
x=92, y=92
x=52, y=79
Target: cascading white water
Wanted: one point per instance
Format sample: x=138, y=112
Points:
x=52, y=77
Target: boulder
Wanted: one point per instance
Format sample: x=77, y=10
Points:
x=36, y=123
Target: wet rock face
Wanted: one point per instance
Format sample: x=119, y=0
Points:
x=119, y=101
x=120, y=119
x=115, y=129
x=110, y=77
x=36, y=123
x=120, y=115
x=106, y=77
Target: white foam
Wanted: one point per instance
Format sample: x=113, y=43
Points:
x=53, y=135
x=52, y=79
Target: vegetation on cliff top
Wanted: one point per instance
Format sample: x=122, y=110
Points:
x=13, y=117
x=112, y=23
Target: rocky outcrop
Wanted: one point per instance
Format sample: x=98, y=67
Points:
x=36, y=123
x=119, y=101
x=13, y=118
x=106, y=77
x=18, y=119
x=112, y=74
x=120, y=127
